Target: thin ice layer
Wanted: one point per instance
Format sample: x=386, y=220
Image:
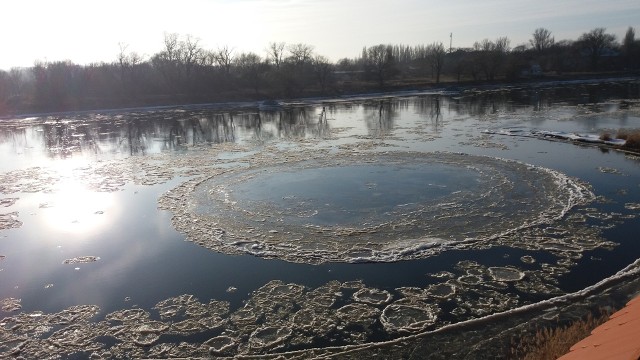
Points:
x=384, y=207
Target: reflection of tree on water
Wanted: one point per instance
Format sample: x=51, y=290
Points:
x=135, y=133
x=323, y=128
x=483, y=104
x=219, y=128
x=63, y=138
x=210, y=129
x=135, y=139
x=294, y=123
x=139, y=133
x=16, y=136
x=430, y=107
x=435, y=110
x=380, y=117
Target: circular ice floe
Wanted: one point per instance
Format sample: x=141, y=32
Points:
x=408, y=317
x=146, y=333
x=355, y=208
x=372, y=296
x=470, y=279
x=506, y=274
x=442, y=290
x=528, y=259
x=357, y=313
x=268, y=336
x=221, y=345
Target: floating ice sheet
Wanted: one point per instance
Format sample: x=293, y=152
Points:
x=369, y=208
x=9, y=221
x=279, y=318
x=6, y=202
x=11, y=304
x=557, y=135
x=82, y=260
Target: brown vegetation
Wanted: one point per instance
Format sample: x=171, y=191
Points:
x=606, y=137
x=551, y=343
x=632, y=138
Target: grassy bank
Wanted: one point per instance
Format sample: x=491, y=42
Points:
x=551, y=343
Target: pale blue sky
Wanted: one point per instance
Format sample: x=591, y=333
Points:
x=85, y=31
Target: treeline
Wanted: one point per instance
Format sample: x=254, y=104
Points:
x=185, y=72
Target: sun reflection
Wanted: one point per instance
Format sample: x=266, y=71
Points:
x=73, y=208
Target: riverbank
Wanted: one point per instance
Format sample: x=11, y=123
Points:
x=339, y=92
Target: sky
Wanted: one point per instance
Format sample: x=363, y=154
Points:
x=91, y=31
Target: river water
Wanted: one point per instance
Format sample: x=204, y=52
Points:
x=350, y=225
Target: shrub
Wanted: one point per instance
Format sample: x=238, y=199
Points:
x=605, y=137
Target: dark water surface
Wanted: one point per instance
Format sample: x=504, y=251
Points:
x=88, y=184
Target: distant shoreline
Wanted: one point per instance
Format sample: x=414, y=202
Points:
x=364, y=91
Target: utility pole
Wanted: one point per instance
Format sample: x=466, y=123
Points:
x=450, y=41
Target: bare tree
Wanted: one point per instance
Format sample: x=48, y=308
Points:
x=435, y=57
x=380, y=61
x=631, y=49
x=5, y=89
x=629, y=38
x=503, y=44
x=564, y=56
x=171, y=52
x=122, y=55
x=128, y=60
x=167, y=60
x=323, y=69
x=135, y=59
x=595, y=42
x=346, y=64
x=224, y=58
x=275, y=53
x=251, y=70
x=59, y=84
x=128, y=63
x=491, y=55
x=19, y=81
x=123, y=63
x=208, y=58
x=300, y=54
x=177, y=61
x=294, y=73
x=190, y=53
x=542, y=40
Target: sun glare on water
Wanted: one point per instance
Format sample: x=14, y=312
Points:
x=73, y=208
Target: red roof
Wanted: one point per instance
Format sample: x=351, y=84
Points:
x=618, y=338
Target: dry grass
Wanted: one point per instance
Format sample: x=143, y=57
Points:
x=631, y=136
x=606, y=137
x=551, y=343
